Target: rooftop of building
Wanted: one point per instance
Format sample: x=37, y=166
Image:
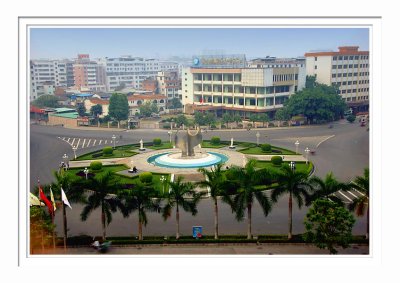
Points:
x=146, y=97
x=343, y=50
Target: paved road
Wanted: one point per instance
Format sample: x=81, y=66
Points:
x=212, y=249
x=344, y=150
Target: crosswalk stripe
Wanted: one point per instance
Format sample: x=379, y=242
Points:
x=94, y=143
x=345, y=196
x=73, y=141
x=88, y=143
x=105, y=142
x=63, y=138
x=359, y=192
x=83, y=145
x=78, y=143
x=100, y=142
x=352, y=194
x=68, y=140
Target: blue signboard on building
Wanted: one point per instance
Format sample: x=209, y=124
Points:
x=197, y=231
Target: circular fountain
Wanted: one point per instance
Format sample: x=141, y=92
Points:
x=175, y=160
x=186, y=141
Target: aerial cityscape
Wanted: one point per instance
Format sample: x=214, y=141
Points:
x=199, y=141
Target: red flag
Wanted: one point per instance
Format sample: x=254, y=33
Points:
x=46, y=201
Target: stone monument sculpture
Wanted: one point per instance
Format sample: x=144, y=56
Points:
x=186, y=141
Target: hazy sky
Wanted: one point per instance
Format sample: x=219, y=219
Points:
x=57, y=43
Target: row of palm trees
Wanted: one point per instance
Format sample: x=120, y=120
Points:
x=239, y=187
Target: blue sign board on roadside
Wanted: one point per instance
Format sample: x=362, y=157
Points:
x=197, y=231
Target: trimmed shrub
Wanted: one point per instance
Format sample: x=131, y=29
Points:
x=223, y=127
x=157, y=141
x=96, y=165
x=213, y=126
x=266, y=147
x=276, y=160
x=108, y=150
x=351, y=118
x=240, y=126
x=215, y=140
x=271, y=125
x=146, y=177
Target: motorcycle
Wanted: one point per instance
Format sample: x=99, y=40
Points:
x=103, y=247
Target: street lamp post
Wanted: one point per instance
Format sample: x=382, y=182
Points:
x=74, y=148
x=114, y=137
x=65, y=160
x=162, y=179
x=307, y=150
x=170, y=136
x=86, y=171
x=258, y=138
x=297, y=146
x=292, y=165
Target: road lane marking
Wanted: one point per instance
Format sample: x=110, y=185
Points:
x=94, y=143
x=78, y=143
x=63, y=138
x=105, y=142
x=324, y=140
x=100, y=142
x=88, y=143
x=359, y=192
x=352, y=194
x=83, y=145
x=73, y=141
x=68, y=140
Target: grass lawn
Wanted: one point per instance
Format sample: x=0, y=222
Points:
x=207, y=144
x=164, y=145
x=123, y=179
x=118, y=152
x=300, y=166
x=258, y=151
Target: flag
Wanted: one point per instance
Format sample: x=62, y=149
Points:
x=33, y=200
x=52, y=200
x=64, y=198
x=46, y=201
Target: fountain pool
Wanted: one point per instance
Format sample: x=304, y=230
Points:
x=174, y=160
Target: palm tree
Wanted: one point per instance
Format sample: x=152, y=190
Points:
x=361, y=204
x=248, y=179
x=325, y=188
x=72, y=189
x=102, y=191
x=296, y=184
x=141, y=198
x=217, y=184
x=181, y=194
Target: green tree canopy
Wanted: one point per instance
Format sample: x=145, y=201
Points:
x=311, y=81
x=96, y=110
x=328, y=224
x=199, y=118
x=321, y=103
x=46, y=101
x=119, y=108
x=181, y=120
x=175, y=103
x=80, y=108
x=148, y=108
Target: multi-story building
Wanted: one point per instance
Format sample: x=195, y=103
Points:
x=132, y=71
x=46, y=75
x=169, y=84
x=88, y=74
x=347, y=68
x=136, y=100
x=229, y=84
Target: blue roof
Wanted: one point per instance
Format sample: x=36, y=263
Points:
x=83, y=94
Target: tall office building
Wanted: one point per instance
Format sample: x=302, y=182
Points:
x=230, y=84
x=347, y=68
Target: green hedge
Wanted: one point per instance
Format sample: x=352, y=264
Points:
x=157, y=141
x=215, y=140
x=96, y=165
x=146, y=177
x=108, y=150
x=276, y=160
x=266, y=147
